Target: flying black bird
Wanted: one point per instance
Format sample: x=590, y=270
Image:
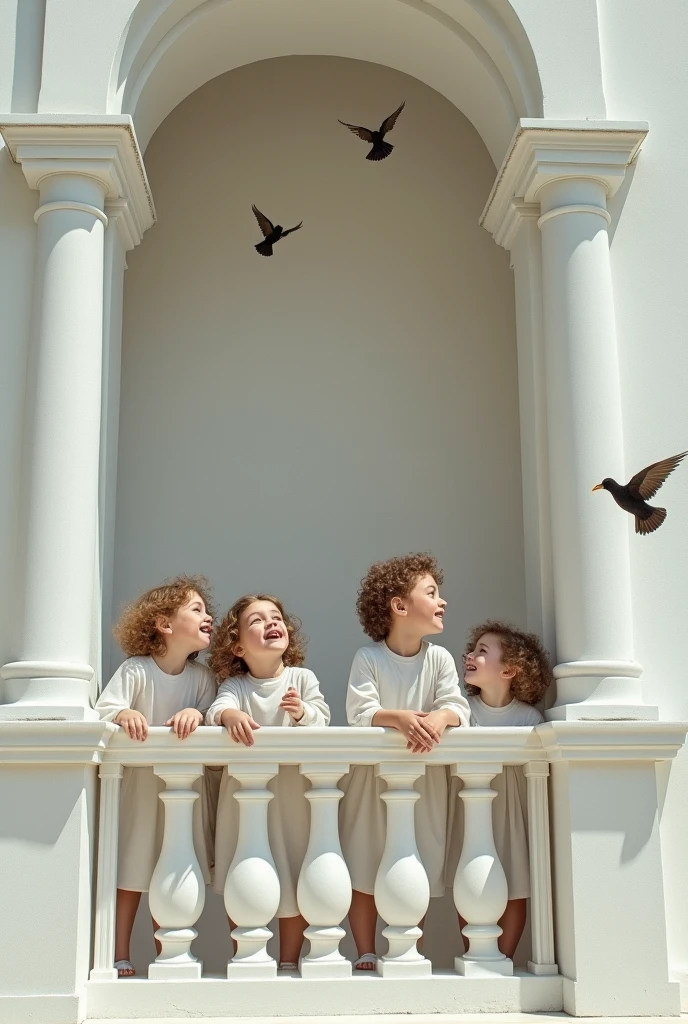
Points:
x=633, y=496
x=380, y=149
x=272, y=232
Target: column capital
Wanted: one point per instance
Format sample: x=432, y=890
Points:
x=544, y=151
x=103, y=147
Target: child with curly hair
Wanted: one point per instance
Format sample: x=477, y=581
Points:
x=160, y=683
x=506, y=672
x=406, y=683
x=258, y=651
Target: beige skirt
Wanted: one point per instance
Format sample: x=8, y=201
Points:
x=363, y=820
x=141, y=823
x=509, y=824
x=288, y=828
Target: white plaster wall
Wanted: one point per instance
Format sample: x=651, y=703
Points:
x=646, y=77
x=285, y=422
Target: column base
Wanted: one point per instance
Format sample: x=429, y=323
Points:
x=103, y=974
x=257, y=971
x=542, y=970
x=176, y=972
x=42, y=691
x=420, y=968
x=326, y=968
x=484, y=968
x=588, y=712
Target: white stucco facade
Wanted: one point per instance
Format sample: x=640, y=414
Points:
x=456, y=347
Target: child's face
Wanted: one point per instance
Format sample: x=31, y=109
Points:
x=262, y=631
x=191, y=624
x=484, y=665
x=424, y=608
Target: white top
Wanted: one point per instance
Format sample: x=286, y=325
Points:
x=260, y=698
x=379, y=679
x=140, y=684
x=516, y=713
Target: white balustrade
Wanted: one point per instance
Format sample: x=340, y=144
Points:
x=106, y=884
x=480, y=887
x=324, y=887
x=252, y=890
x=402, y=890
x=177, y=888
x=541, y=918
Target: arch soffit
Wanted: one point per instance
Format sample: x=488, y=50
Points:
x=480, y=61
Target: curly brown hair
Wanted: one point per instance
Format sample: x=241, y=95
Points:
x=136, y=631
x=395, y=577
x=222, y=659
x=520, y=650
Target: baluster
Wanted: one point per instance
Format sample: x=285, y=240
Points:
x=402, y=890
x=252, y=890
x=480, y=888
x=324, y=889
x=541, y=921
x=106, y=885
x=177, y=888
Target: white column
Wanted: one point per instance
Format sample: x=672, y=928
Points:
x=75, y=167
x=480, y=889
x=541, y=920
x=566, y=172
x=324, y=888
x=252, y=890
x=106, y=879
x=402, y=890
x=177, y=889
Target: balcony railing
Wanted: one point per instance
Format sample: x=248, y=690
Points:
x=177, y=891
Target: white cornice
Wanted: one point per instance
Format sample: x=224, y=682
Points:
x=544, y=151
x=612, y=741
x=54, y=742
x=103, y=147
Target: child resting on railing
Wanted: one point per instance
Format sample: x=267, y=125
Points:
x=159, y=684
x=258, y=651
x=403, y=682
x=506, y=672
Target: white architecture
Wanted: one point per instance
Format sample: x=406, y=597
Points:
x=458, y=345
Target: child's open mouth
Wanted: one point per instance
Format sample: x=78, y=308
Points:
x=207, y=629
x=273, y=634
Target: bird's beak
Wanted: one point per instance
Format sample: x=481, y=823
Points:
x=598, y=487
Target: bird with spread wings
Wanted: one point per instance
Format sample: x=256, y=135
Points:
x=633, y=496
x=272, y=233
x=381, y=149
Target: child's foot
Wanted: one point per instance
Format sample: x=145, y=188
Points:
x=367, y=962
x=125, y=969
x=288, y=965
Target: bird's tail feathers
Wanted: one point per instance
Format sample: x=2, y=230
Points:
x=380, y=150
x=264, y=248
x=652, y=523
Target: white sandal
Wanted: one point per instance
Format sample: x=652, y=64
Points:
x=287, y=965
x=124, y=965
x=367, y=958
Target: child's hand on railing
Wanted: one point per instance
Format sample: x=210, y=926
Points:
x=185, y=721
x=293, y=705
x=420, y=738
x=133, y=723
x=239, y=725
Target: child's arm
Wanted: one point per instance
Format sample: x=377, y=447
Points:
x=309, y=707
x=225, y=711
x=363, y=707
x=450, y=707
x=115, y=702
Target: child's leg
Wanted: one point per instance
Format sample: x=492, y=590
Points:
x=127, y=905
x=512, y=922
x=232, y=926
x=291, y=931
x=363, y=921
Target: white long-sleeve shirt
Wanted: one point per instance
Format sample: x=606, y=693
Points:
x=427, y=681
x=140, y=684
x=260, y=698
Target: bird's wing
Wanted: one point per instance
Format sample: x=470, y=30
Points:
x=265, y=225
x=390, y=121
x=647, y=482
x=289, y=230
x=363, y=133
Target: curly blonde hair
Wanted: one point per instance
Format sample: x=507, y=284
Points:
x=520, y=650
x=395, y=577
x=136, y=631
x=222, y=659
